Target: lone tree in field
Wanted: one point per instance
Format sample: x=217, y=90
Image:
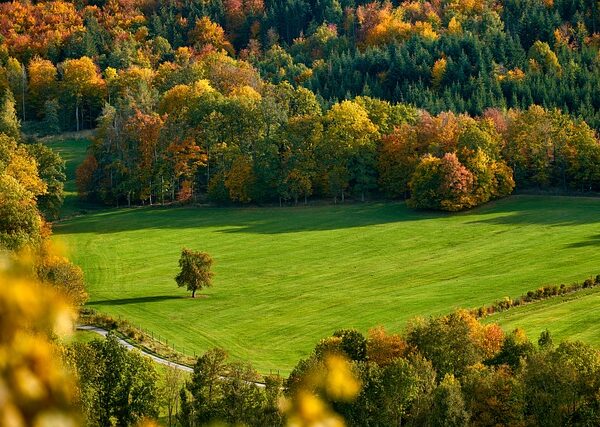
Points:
x=195, y=271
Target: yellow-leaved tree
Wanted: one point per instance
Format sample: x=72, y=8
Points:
x=438, y=71
x=81, y=80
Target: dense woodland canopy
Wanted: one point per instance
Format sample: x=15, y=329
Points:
x=262, y=101
x=463, y=56
x=454, y=371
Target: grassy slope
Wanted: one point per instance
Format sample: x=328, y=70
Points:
x=73, y=150
x=286, y=277
x=573, y=317
x=84, y=336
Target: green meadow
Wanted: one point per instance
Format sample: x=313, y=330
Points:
x=286, y=277
x=73, y=151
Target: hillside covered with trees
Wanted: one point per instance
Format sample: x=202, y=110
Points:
x=439, y=55
x=279, y=101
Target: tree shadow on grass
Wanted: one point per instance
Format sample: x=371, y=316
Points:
x=542, y=210
x=257, y=220
x=591, y=241
x=516, y=210
x=137, y=300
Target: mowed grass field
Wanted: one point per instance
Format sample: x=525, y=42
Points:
x=73, y=150
x=572, y=317
x=286, y=277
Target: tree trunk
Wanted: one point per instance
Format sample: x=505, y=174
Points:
x=305, y=199
x=193, y=293
x=362, y=196
x=77, y=115
x=207, y=168
x=343, y=196
x=23, y=82
x=162, y=190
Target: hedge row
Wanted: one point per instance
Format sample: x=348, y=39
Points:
x=537, y=295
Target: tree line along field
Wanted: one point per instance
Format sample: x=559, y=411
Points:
x=286, y=277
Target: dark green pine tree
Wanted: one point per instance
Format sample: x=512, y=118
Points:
x=51, y=121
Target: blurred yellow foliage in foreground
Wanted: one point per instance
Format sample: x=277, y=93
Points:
x=35, y=388
x=332, y=381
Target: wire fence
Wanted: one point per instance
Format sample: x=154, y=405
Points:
x=162, y=340
x=181, y=349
